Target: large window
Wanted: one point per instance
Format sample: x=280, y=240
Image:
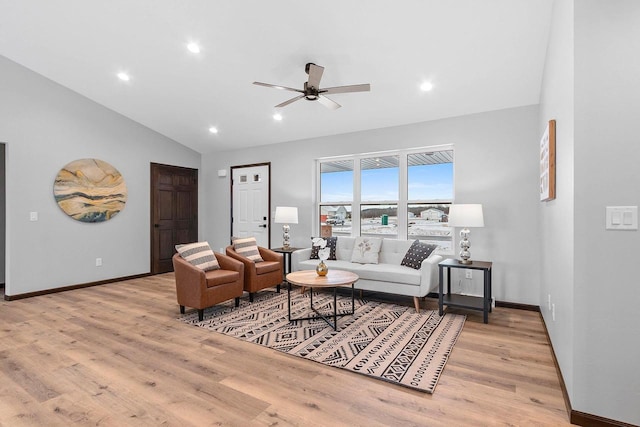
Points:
x=401, y=194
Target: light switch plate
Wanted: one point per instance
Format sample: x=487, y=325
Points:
x=622, y=218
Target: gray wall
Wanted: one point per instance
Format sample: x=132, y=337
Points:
x=607, y=153
x=49, y=127
x=591, y=88
x=557, y=216
x=496, y=165
x=2, y=214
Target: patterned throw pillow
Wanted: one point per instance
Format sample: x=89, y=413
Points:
x=248, y=248
x=199, y=255
x=366, y=250
x=417, y=253
x=331, y=244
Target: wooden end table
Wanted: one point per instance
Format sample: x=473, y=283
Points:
x=334, y=279
x=482, y=303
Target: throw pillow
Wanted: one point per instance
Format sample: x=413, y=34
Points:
x=366, y=250
x=248, y=248
x=199, y=255
x=332, y=242
x=417, y=253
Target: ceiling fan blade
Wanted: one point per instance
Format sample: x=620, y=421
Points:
x=285, y=103
x=330, y=104
x=345, y=89
x=278, y=87
x=315, y=74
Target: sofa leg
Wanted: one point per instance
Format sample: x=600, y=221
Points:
x=237, y=301
x=416, y=302
x=182, y=309
x=200, y=314
x=278, y=288
x=251, y=296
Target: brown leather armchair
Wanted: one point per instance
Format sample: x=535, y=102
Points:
x=201, y=289
x=261, y=275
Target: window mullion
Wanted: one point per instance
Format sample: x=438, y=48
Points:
x=402, y=198
x=357, y=197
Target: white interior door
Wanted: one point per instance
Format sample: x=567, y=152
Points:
x=250, y=192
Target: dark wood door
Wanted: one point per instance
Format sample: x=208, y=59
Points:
x=174, y=212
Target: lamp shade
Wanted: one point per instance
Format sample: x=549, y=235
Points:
x=286, y=215
x=466, y=216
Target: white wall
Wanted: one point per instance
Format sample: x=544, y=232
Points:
x=557, y=216
x=495, y=164
x=607, y=154
x=45, y=126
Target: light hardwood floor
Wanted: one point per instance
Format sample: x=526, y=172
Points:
x=115, y=355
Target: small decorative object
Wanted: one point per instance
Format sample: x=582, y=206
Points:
x=90, y=190
x=465, y=216
x=548, y=163
x=323, y=254
x=286, y=215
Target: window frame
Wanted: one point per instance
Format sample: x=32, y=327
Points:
x=403, y=190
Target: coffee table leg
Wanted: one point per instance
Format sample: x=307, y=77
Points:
x=335, y=308
x=289, y=299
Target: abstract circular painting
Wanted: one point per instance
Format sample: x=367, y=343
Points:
x=90, y=190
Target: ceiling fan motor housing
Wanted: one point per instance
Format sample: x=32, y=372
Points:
x=310, y=93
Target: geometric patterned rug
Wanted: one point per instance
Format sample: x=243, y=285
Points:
x=384, y=341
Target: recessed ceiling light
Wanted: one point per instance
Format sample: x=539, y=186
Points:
x=277, y=116
x=213, y=129
x=124, y=76
x=193, y=47
x=426, y=86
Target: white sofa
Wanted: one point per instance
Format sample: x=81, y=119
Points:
x=386, y=276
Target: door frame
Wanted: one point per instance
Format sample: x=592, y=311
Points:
x=152, y=205
x=251, y=165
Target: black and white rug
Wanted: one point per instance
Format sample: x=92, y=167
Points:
x=385, y=341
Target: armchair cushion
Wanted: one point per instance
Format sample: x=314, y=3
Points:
x=267, y=267
x=220, y=277
x=248, y=248
x=199, y=255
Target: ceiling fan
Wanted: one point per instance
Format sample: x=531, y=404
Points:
x=312, y=90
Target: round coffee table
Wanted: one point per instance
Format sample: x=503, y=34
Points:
x=334, y=279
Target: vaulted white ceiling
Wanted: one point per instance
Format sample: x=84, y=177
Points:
x=480, y=55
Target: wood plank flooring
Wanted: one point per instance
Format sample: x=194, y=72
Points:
x=115, y=355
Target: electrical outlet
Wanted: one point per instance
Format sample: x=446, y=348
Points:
x=468, y=274
x=98, y=262
x=553, y=312
x=549, y=301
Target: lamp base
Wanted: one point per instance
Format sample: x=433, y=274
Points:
x=465, y=261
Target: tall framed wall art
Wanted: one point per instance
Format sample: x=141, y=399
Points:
x=548, y=163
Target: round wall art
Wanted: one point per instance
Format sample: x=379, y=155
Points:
x=90, y=190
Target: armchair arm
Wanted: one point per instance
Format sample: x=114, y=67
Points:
x=228, y=263
x=249, y=266
x=269, y=255
x=190, y=281
x=429, y=274
x=298, y=256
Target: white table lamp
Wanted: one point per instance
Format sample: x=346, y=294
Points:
x=286, y=215
x=465, y=216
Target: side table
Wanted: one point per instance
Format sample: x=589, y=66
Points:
x=287, y=257
x=465, y=301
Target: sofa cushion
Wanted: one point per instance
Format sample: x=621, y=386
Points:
x=331, y=244
x=377, y=272
x=199, y=255
x=417, y=253
x=248, y=248
x=366, y=250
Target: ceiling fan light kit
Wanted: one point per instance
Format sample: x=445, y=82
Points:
x=311, y=90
